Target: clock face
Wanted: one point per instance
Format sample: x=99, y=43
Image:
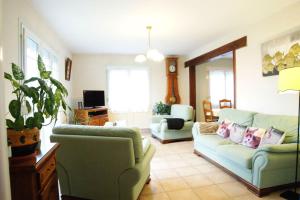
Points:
x=172, y=68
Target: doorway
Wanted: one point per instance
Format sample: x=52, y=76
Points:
x=214, y=82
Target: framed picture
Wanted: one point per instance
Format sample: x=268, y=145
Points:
x=68, y=69
x=281, y=53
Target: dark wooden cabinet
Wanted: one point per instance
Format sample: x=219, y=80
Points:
x=34, y=177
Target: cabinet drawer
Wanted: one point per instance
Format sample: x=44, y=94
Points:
x=46, y=171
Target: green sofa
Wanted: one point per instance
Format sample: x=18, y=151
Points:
x=159, y=127
x=264, y=169
x=102, y=163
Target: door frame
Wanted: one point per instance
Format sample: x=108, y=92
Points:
x=192, y=63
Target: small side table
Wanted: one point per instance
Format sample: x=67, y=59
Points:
x=34, y=176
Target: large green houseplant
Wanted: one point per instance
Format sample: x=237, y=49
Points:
x=161, y=108
x=36, y=104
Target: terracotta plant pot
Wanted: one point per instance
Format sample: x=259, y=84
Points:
x=23, y=142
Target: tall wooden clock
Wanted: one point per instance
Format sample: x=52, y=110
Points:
x=172, y=82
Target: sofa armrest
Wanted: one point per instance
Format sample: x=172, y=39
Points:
x=266, y=165
x=280, y=148
x=158, y=118
x=132, y=176
x=196, y=129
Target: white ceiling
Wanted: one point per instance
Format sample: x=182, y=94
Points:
x=179, y=26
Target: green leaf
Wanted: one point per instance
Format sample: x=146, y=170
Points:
x=38, y=120
x=45, y=74
x=28, y=106
x=41, y=65
x=25, y=89
x=31, y=80
x=57, y=96
x=34, y=95
x=15, y=84
x=49, y=106
x=39, y=117
x=43, y=85
x=19, y=123
x=7, y=76
x=10, y=123
x=59, y=86
x=63, y=103
x=15, y=108
x=17, y=72
x=30, y=122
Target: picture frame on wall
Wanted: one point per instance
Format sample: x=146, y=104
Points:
x=281, y=53
x=68, y=69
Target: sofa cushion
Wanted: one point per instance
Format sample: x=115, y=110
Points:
x=237, y=132
x=132, y=133
x=272, y=136
x=288, y=124
x=253, y=136
x=238, y=116
x=224, y=129
x=238, y=154
x=185, y=112
x=212, y=141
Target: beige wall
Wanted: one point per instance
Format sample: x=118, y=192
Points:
x=255, y=92
x=22, y=10
x=89, y=72
x=4, y=173
x=202, y=82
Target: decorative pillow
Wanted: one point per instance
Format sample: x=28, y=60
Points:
x=208, y=128
x=272, y=136
x=253, y=136
x=237, y=132
x=224, y=129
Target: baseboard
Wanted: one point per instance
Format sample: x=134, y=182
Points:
x=66, y=197
x=172, y=140
x=260, y=192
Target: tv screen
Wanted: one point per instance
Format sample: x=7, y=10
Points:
x=93, y=98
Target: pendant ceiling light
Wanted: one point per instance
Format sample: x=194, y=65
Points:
x=151, y=54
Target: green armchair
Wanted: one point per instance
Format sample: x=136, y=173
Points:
x=102, y=163
x=159, y=127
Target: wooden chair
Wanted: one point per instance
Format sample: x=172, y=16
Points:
x=208, y=112
x=225, y=103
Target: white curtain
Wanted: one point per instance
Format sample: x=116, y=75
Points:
x=220, y=86
x=128, y=89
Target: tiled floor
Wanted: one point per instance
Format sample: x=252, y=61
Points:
x=178, y=174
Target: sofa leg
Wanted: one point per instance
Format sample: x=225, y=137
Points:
x=148, y=180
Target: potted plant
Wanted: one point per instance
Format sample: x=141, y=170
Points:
x=161, y=109
x=36, y=104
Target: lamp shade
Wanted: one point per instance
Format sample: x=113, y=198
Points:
x=289, y=79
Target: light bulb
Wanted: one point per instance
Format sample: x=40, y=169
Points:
x=140, y=58
x=155, y=55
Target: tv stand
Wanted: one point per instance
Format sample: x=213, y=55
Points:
x=91, y=116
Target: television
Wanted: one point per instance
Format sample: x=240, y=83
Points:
x=93, y=98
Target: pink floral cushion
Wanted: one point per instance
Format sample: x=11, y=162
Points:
x=237, y=132
x=253, y=136
x=224, y=129
x=272, y=136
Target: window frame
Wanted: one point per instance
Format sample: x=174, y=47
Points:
x=24, y=32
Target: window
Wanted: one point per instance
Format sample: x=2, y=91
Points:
x=31, y=47
x=128, y=89
x=220, y=86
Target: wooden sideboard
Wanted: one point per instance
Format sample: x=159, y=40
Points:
x=34, y=176
x=94, y=116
